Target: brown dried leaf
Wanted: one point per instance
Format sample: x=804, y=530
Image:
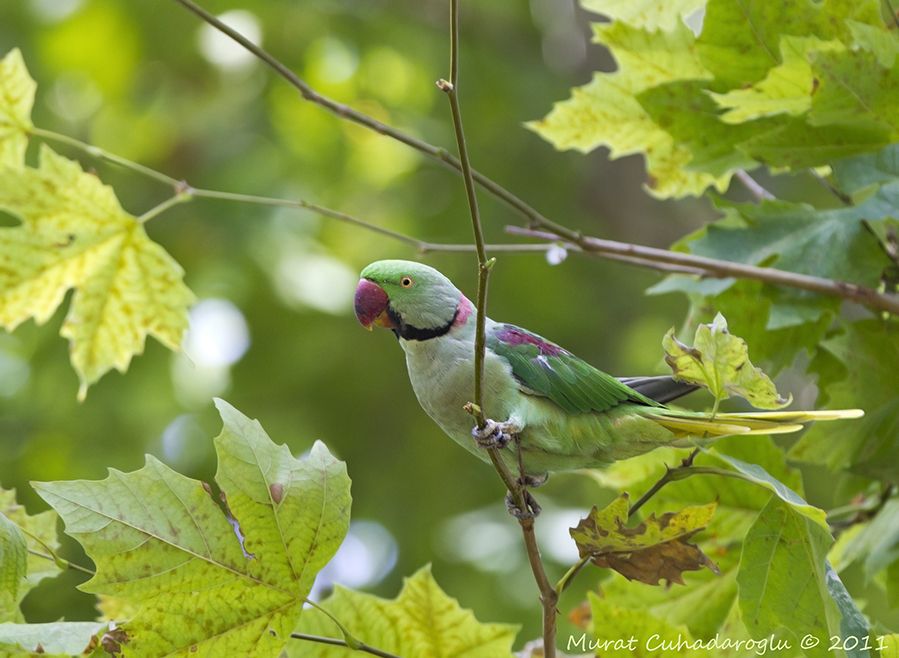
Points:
x=656, y=549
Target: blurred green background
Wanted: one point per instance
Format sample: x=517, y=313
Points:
x=273, y=332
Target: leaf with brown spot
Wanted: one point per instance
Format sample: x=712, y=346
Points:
x=719, y=361
x=656, y=549
x=191, y=578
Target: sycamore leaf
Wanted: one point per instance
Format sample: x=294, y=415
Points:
x=656, y=549
x=867, y=360
x=855, y=88
x=890, y=644
x=702, y=606
x=857, y=173
x=796, y=237
x=654, y=637
x=740, y=39
x=606, y=112
x=422, y=622
x=875, y=39
x=798, y=145
x=16, y=98
x=647, y=14
x=760, y=477
x=786, y=89
x=61, y=638
x=208, y=581
x=690, y=116
x=74, y=234
x=13, y=567
x=707, y=600
x=875, y=542
x=781, y=544
x=39, y=532
x=720, y=362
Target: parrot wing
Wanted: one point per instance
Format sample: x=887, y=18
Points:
x=661, y=388
x=543, y=368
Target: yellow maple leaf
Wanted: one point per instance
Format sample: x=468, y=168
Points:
x=75, y=234
x=606, y=112
x=16, y=98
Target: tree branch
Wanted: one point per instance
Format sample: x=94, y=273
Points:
x=346, y=112
x=710, y=267
x=535, y=218
x=751, y=184
x=548, y=594
x=184, y=192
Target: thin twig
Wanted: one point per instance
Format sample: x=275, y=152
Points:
x=62, y=562
x=535, y=218
x=335, y=642
x=751, y=184
x=97, y=152
x=569, y=576
x=844, y=198
x=714, y=268
x=671, y=474
x=346, y=112
x=185, y=192
x=158, y=209
x=892, y=12
x=548, y=594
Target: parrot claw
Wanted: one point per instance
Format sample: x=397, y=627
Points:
x=494, y=435
x=531, y=511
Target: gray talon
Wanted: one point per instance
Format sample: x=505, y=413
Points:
x=493, y=435
x=532, y=508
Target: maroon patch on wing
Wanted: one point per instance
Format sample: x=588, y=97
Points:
x=512, y=336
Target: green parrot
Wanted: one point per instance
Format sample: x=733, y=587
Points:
x=565, y=413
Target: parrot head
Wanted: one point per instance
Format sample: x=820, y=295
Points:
x=411, y=299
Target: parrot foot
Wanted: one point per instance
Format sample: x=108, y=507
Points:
x=532, y=508
x=494, y=435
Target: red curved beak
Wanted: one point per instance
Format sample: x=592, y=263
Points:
x=370, y=304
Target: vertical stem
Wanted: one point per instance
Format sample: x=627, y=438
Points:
x=549, y=596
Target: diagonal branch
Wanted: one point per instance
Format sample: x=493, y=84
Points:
x=645, y=256
x=710, y=267
x=351, y=114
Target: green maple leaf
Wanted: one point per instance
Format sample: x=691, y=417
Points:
x=740, y=39
x=781, y=544
x=786, y=89
x=856, y=88
x=162, y=543
x=20, y=573
x=719, y=361
x=647, y=14
x=422, y=622
x=606, y=111
x=655, y=549
x=13, y=567
x=831, y=244
x=74, y=234
x=867, y=360
x=16, y=99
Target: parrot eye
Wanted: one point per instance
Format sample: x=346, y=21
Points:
x=406, y=282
